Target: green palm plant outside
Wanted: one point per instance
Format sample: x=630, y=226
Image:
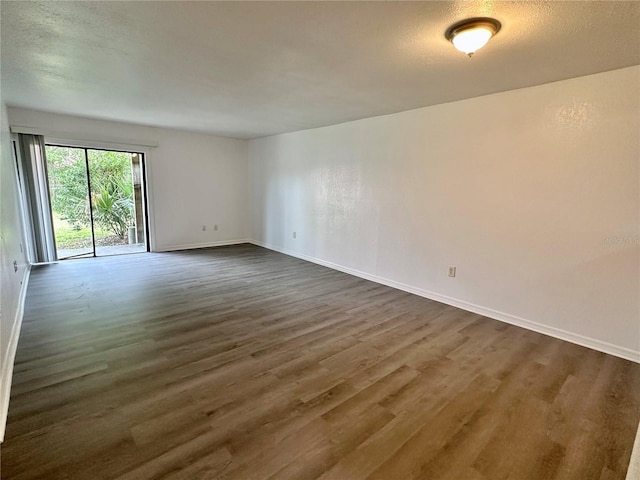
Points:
x=113, y=205
x=112, y=198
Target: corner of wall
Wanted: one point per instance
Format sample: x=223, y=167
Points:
x=14, y=266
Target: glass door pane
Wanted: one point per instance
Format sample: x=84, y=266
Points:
x=116, y=196
x=68, y=187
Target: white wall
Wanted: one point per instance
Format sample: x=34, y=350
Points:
x=195, y=179
x=11, y=282
x=532, y=194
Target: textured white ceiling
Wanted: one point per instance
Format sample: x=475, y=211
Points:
x=249, y=69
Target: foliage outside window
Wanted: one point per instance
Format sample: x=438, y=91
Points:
x=111, y=188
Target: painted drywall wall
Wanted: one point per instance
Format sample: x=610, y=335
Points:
x=532, y=194
x=195, y=179
x=12, y=282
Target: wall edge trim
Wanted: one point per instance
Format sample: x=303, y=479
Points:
x=633, y=472
x=6, y=375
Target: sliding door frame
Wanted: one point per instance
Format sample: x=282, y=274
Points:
x=91, y=222
x=93, y=227
x=144, y=172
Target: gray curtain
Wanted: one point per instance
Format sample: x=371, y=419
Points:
x=34, y=168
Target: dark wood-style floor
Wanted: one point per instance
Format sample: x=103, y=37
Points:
x=242, y=363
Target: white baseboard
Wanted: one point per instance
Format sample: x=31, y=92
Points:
x=10, y=356
x=588, y=342
x=191, y=246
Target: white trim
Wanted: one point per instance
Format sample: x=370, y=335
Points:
x=191, y=246
x=79, y=137
x=633, y=473
x=10, y=356
x=622, y=352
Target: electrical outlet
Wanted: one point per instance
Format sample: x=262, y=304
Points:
x=294, y=235
x=204, y=228
x=215, y=228
x=452, y=271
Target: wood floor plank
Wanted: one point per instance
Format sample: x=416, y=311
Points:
x=239, y=363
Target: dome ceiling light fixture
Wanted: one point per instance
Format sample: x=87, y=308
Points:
x=472, y=34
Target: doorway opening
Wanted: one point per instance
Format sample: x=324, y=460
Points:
x=98, y=201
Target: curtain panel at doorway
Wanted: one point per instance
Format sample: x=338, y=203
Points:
x=34, y=168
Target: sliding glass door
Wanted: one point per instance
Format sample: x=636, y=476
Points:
x=70, y=206
x=115, y=180
x=97, y=201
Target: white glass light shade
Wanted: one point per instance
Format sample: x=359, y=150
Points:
x=472, y=34
x=468, y=41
